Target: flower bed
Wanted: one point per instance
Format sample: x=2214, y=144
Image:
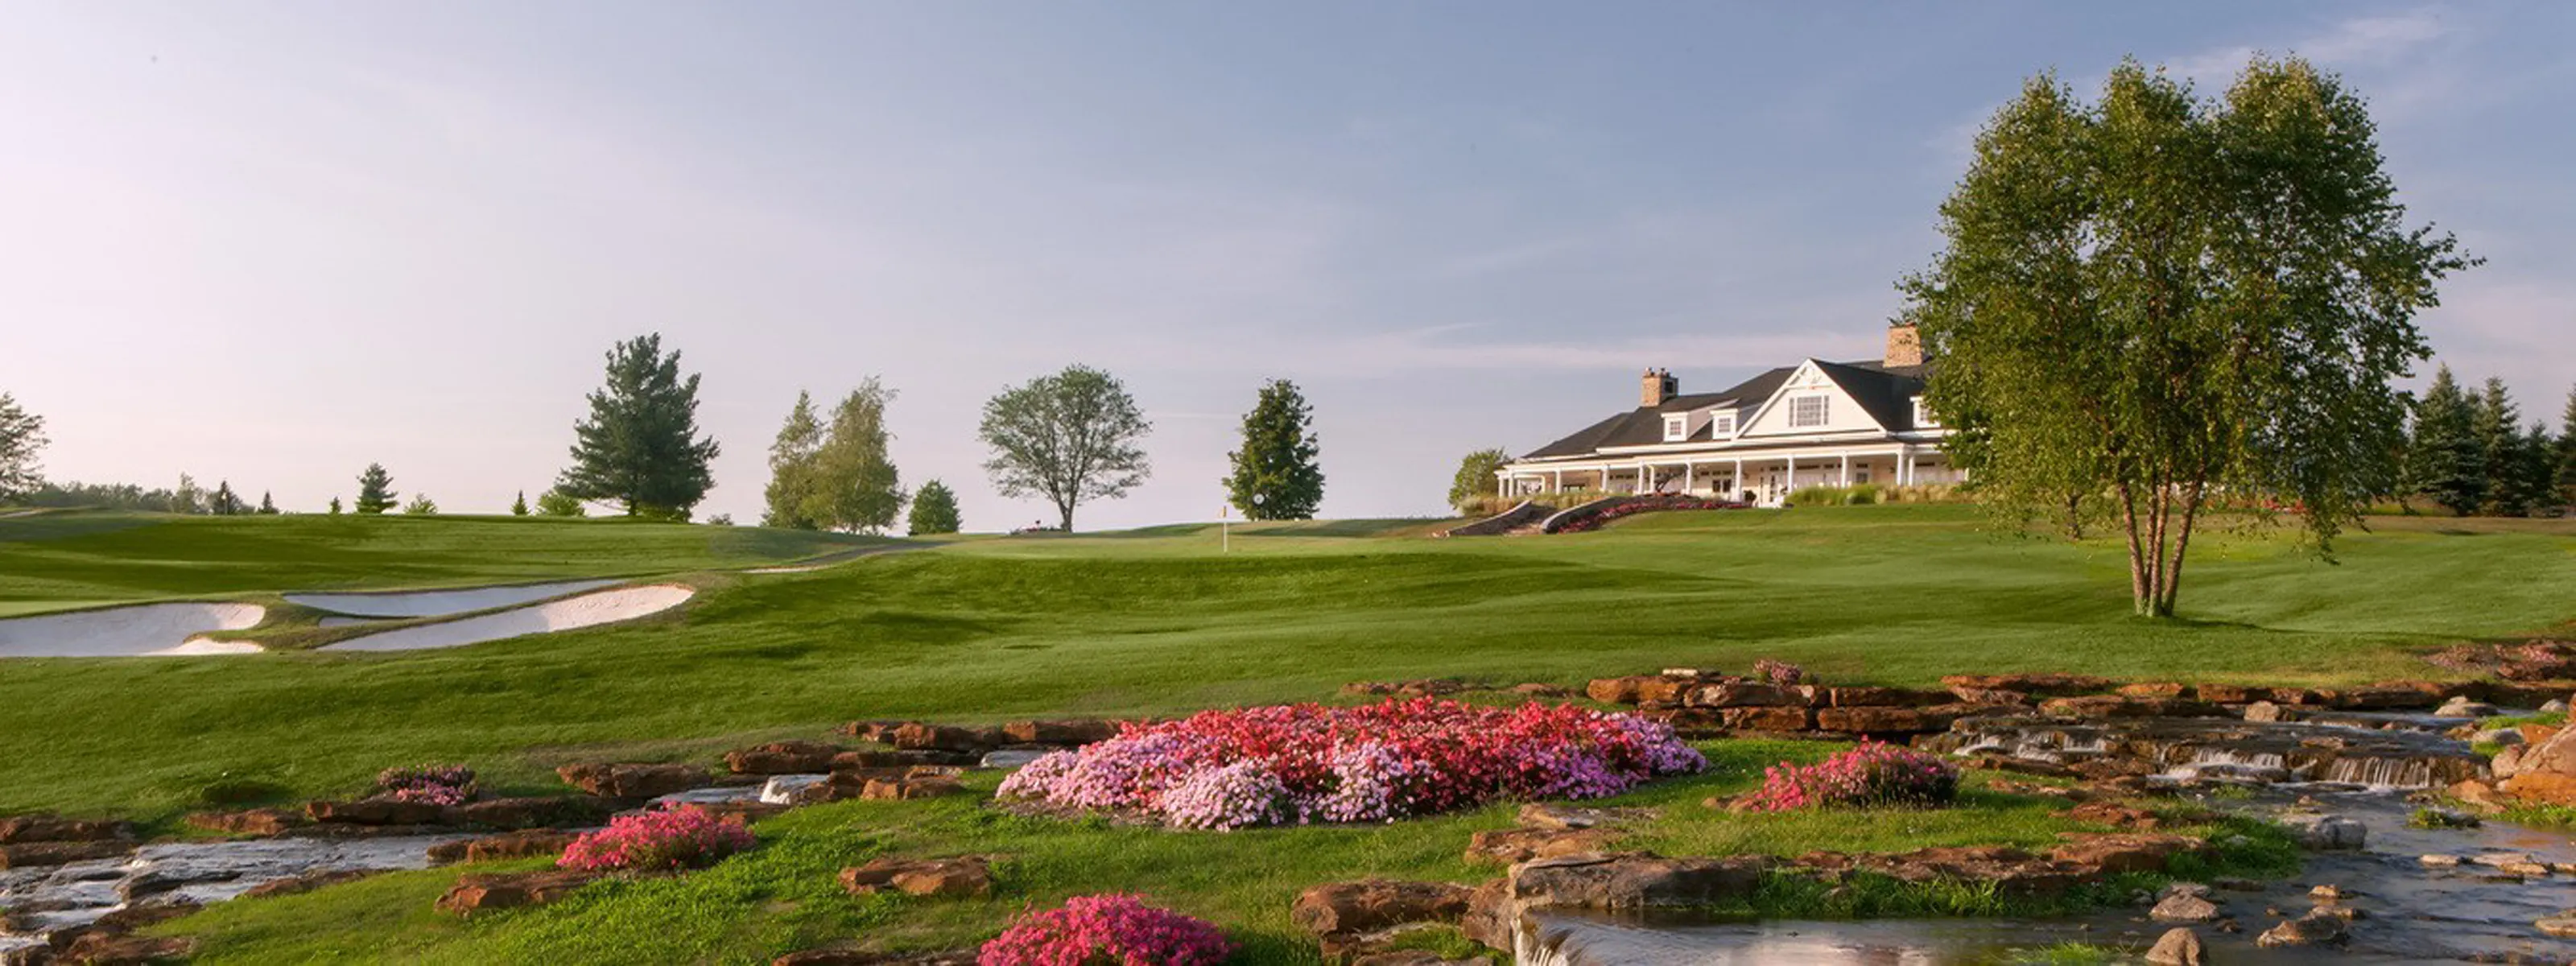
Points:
x=680, y=838
x=1876, y=773
x=433, y=784
x=1596, y=518
x=1302, y=763
x=1117, y=930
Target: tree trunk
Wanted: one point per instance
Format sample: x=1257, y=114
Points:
x=1066, y=509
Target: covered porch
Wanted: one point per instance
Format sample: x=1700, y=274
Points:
x=1765, y=478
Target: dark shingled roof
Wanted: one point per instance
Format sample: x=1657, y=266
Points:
x=1885, y=392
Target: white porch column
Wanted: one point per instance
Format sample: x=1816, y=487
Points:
x=1688, y=479
x=1846, y=471
x=1557, y=485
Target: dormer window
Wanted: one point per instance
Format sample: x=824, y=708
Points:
x=1923, y=416
x=1721, y=425
x=1676, y=427
x=1807, y=412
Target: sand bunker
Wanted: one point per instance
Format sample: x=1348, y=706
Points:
x=604, y=607
x=804, y=569
x=441, y=603
x=153, y=630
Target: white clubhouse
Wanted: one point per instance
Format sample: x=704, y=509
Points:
x=1816, y=423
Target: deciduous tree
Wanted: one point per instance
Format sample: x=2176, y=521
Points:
x=421, y=506
x=375, y=490
x=1070, y=437
x=1275, y=474
x=852, y=483
x=934, y=510
x=1476, y=480
x=2167, y=297
x=791, y=467
x=557, y=503
x=22, y=435
x=640, y=447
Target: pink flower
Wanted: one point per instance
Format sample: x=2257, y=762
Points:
x=434, y=784
x=1873, y=774
x=1106, y=930
x=679, y=838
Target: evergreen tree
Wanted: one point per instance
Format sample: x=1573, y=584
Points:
x=267, y=507
x=791, y=467
x=2444, y=460
x=557, y=503
x=375, y=490
x=1475, y=480
x=1068, y=437
x=421, y=506
x=224, y=503
x=852, y=484
x=2497, y=424
x=519, y=507
x=640, y=445
x=2536, y=470
x=1275, y=474
x=335, y=506
x=22, y=434
x=934, y=510
x=2564, y=473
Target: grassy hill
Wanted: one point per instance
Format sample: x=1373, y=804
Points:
x=1141, y=622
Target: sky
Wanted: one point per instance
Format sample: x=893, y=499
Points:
x=270, y=243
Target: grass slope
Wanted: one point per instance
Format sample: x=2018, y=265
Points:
x=56, y=561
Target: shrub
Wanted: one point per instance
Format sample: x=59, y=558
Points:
x=1309, y=763
x=434, y=784
x=1873, y=774
x=1861, y=495
x=1779, y=673
x=1109, y=930
x=679, y=838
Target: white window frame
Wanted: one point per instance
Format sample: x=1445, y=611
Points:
x=1676, y=427
x=1922, y=416
x=1721, y=425
x=1822, y=417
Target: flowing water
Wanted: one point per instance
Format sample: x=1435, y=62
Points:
x=46, y=898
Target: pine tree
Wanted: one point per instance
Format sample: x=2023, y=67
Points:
x=1275, y=474
x=224, y=503
x=853, y=484
x=2564, y=473
x=375, y=490
x=2497, y=425
x=934, y=510
x=22, y=435
x=2536, y=470
x=791, y=467
x=267, y=507
x=421, y=506
x=335, y=506
x=2445, y=460
x=640, y=445
x=519, y=507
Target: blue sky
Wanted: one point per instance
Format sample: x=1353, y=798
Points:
x=270, y=243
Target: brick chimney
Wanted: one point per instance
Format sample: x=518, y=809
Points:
x=1656, y=386
x=1904, y=347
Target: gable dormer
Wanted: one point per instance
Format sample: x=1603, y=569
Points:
x=1809, y=403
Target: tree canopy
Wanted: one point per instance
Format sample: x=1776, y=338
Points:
x=791, y=467
x=1475, y=480
x=852, y=482
x=640, y=447
x=1070, y=437
x=934, y=510
x=557, y=503
x=2445, y=461
x=2161, y=297
x=22, y=434
x=1275, y=474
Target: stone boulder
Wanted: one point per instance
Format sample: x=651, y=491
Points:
x=23, y=855
x=513, y=845
x=633, y=780
x=2325, y=832
x=535, y=811
x=1742, y=694
x=126, y=949
x=1062, y=733
x=949, y=878
x=2550, y=753
x=49, y=827
x=2562, y=925
x=2012, y=871
x=2177, y=947
x=1368, y=905
x=921, y=736
x=2125, y=851
x=1777, y=719
x=255, y=822
x=2184, y=907
x=796, y=789
x=307, y=882
x=375, y=811
x=2317, y=928
x=905, y=789
x=2103, y=811
x=2124, y=706
x=509, y=890
x=1975, y=687
x=782, y=758
x=1512, y=846
x=1561, y=816
x=1633, y=880
x=1868, y=697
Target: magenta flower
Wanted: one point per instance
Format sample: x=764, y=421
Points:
x=679, y=838
x=1106, y=930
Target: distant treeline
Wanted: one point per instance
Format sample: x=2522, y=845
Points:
x=188, y=497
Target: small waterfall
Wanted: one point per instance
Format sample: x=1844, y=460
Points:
x=2385, y=751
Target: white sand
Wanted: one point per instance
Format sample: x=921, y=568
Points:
x=146, y=629
x=440, y=603
x=587, y=610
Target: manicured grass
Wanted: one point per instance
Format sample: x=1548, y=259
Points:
x=993, y=629
x=782, y=896
x=63, y=560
